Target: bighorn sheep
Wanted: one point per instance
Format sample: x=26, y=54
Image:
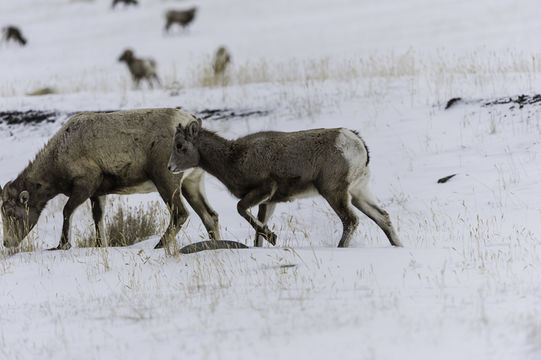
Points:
x=181, y=17
x=221, y=60
x=95, y=154
x=266, y=168
x=125, y=2
x=14, y=33
x=140, y=68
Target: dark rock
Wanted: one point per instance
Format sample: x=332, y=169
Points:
x=452, y=102
x=212, y=245
x=445, y=179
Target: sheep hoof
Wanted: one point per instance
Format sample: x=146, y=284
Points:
x=65, y=246
x=271, y=238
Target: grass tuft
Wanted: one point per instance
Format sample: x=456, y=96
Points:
x=127, y=226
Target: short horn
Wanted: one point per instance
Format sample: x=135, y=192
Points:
x=6, y=186
x=24, y=196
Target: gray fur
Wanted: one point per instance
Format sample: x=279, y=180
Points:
x=221, y=60
x=180, y=17
x=140, y=68
x=266, y=168
x=95, y=154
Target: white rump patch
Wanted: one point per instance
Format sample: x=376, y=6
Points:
x=352, y=147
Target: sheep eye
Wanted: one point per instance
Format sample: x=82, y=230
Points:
x=179, y=146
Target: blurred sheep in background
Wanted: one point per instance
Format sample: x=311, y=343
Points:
x=14, y=33
x=140, y=68
x=222, y=58
x=181, y=17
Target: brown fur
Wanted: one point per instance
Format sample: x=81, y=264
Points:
x=180, y=17
x=221, y=60
x=140, y=68
x=95, y=154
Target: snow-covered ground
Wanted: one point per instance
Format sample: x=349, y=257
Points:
x=466, y=285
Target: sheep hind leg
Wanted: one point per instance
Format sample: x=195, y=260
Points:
x=264, y=213
x=97, y=203
x=253, y=198
x=340, y=202
x=156, y=79
x=363, y=200
x=169, y=191
x=150, y=83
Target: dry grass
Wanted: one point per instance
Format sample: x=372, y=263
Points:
x=128, y=225
x=442, y=71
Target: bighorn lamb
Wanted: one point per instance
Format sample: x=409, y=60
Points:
x=266, y=168
x=95, y=154
x=14, y=33
x=221, y=59
x=181, y=17
x=140, y=68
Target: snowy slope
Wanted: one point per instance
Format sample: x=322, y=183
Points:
x=466, y=284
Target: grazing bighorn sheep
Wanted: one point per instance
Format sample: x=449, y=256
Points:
x=266, y=168
x=14, y=33
x=221, y=60
x=140, y=68
x=181, y=17
x=95, y=154
x=125, y=2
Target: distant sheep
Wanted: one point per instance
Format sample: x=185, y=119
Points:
x=125, y=2
x=14, y=33
x=221, y=60
x=181, y=17
x=140, y=68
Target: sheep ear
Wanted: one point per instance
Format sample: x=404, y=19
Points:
x=23, y=197
x=192, y=129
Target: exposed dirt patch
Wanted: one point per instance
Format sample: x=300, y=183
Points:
x=221, y=114
x=27, y=117
x=453, y=102
x=33, y=117
x=515, y=102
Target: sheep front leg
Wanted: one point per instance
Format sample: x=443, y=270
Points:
x=253, y=198
x=82, y=190
x=263, y=215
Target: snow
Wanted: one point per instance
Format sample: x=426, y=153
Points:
x=464, y=286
